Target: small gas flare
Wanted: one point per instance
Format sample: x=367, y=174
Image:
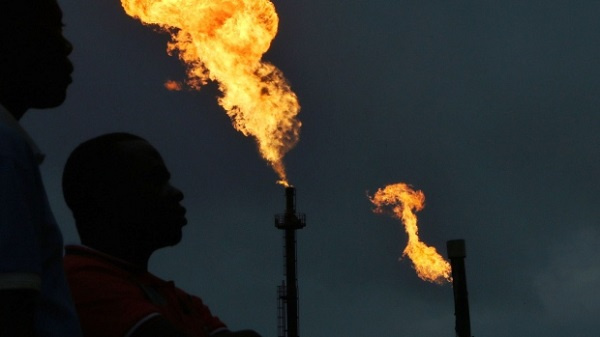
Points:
x=404, y=202
x=173, y=85
x=224, y=41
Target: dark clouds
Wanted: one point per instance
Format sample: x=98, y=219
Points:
x=490, y=108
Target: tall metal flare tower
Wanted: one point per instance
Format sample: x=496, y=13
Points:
x=287, y=293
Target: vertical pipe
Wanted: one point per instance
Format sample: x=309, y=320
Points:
x=457, y=254
x=290, y=200
x=290, y=264
x=291, y=282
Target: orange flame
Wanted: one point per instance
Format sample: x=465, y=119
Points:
x=173, y=85
x=224, y=41
x=404, y=201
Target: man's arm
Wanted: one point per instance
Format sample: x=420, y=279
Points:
x=17, y=311
x=158, y=326
x=19, y=249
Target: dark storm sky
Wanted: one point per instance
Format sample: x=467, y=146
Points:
x=489, y=107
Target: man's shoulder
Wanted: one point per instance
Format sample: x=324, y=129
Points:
x=94, y=280
x=17, y=163
x=88, y=270
x=86, y=265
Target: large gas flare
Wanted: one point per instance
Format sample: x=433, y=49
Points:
x=404, y=202
x=224, y=41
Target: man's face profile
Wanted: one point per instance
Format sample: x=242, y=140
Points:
x=34, y=63
x=154, y=204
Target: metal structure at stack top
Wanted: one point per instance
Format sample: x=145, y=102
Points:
x=290, y=219
x=288, y=307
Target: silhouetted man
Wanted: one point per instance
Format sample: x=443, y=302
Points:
x=34, y=73
x=125, y=209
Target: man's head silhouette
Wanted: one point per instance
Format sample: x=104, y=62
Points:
x=34, y=67
x=118, y=188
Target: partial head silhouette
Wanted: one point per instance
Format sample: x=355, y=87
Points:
x=34, y=67
x=118, y=188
